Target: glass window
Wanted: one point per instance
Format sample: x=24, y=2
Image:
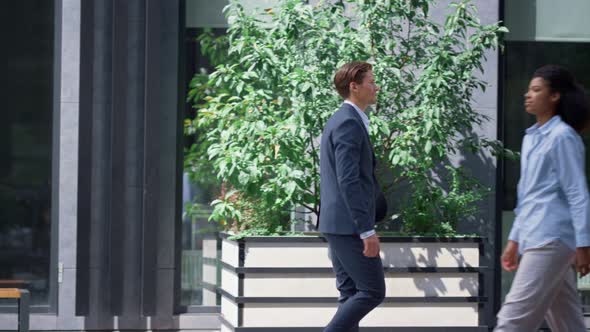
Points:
x=200, y=269
x=26, y=30
x=541, y=33
x=200, y=255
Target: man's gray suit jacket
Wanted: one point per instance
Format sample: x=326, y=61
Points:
x=348, y=188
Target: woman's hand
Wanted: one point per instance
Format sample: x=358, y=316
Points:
x=583, y=260
x=510, y=256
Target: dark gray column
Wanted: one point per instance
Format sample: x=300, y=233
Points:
x=129, y=166
x=118, y=242
x=151, y=195
x=100, y=31
x=163, y=166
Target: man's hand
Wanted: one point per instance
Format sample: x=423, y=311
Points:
x=583, y=260
x=371, y=246
x=510, y=256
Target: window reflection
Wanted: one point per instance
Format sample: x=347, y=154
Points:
x=200, y=261
x=26, y=117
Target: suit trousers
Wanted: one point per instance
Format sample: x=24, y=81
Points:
x=544, y=287
x=359, y=279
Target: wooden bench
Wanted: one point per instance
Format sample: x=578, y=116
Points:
x=22, y=296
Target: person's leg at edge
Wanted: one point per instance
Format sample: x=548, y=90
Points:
x=537, y=282
x=565, y=313
x=367, y=275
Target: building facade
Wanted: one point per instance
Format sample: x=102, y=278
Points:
x=92, y=185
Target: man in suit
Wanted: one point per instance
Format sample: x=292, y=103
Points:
x=348, y=194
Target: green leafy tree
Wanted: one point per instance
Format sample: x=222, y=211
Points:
x=262, y=110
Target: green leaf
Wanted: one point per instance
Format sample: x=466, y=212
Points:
x=272, y=86
x=240, y=87
x=428, y=146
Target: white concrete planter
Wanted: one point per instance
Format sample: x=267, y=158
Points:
x=287, y=284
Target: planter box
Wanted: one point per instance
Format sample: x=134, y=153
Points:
x=287, y=284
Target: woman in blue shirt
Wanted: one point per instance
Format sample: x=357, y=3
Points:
x=551, y=232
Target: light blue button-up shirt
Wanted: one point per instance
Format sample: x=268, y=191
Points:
x=553, y=201
x=365, y=119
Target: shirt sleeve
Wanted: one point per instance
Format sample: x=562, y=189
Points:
x=568, y=152
x=513, y=236
x=514, y=232
x=368, y=234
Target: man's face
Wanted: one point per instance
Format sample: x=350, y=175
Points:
x=366, y=91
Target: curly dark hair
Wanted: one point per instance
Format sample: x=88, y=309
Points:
x=573, y=105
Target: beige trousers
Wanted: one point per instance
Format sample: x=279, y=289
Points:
x=544, y=287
